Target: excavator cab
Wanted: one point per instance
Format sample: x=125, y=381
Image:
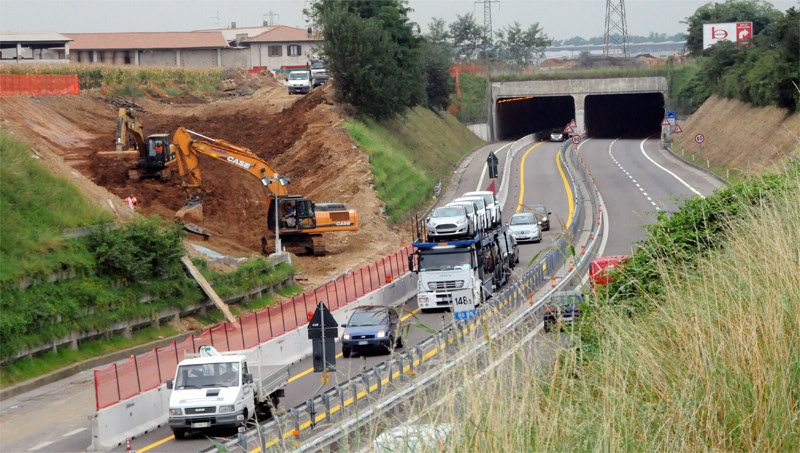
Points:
x=153, y=161
x=295, y=214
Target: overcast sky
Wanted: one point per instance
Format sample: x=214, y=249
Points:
x=559, y=18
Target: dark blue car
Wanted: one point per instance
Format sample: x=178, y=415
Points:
x=371, y=328
x=562, y=308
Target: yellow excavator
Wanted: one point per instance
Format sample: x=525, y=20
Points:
x=151, y=154
x=299, y=221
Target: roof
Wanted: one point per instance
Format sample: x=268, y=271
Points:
x=282, y=33
x=230, y=33
x=11, y=39
x=213, y=359
x=147, y=40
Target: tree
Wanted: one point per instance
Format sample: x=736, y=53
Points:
x=438, y=34
x=373, y=54
x=520, y=46
x=759, y=12
x=436, y=63
x=467, y=36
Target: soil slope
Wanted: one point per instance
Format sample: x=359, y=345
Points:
x=738, y=135
x=302, y=137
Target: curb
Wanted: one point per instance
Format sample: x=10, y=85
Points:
x=691, y=164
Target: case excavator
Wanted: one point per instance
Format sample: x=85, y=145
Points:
x=300, y=222
x=149, y=156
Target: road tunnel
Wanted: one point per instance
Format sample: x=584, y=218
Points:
x=620, y=115
x=520, y=116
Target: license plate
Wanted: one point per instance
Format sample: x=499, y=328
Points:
x=361, y=343
x=200, y=425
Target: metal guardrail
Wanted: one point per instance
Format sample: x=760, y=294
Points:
x=389, y=383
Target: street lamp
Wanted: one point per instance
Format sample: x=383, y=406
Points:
x=283, y=182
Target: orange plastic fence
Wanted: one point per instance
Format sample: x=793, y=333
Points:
x=38, y=84
x=120, y=381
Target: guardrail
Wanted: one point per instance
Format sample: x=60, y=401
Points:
x=334, y=406
x=118, y=382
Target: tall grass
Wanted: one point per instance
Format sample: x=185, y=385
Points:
x=410, y=154
x=714, y=366
x=591, y=73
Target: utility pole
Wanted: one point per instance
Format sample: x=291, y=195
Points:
x=271, y=15
x=615, y=38
x=487, y=42
x=216, y=18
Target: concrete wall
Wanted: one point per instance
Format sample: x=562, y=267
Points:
x=199, y=58
x=157, y=58
x=578, y=89
x=147, y=411
x=481, y=130
x=236, y=58
x=259, y=55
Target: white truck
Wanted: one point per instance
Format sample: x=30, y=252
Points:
x=218, y=390
x=299, y=81
x=449, y=271
x=319, y=74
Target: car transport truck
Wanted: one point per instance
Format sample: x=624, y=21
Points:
x=217, y=390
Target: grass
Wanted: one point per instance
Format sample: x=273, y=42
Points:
x=35, y=207
x=410, y=154
x=592, y=73
x=471, y=108
x=28, y=368
x=128, y=81
x=713, y=365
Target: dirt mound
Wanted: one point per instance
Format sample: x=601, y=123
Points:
x=301, y=137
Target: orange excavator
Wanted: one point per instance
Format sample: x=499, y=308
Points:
x=148, y=155
x=299, y=221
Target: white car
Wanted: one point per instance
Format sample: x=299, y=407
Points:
x=492, y=205
x=524, y=226
x=450, y=221
x=472, y=212
x=483, y=214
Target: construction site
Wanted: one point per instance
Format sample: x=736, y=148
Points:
x=302, y=138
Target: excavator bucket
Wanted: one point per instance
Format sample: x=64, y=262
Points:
x=192, y=212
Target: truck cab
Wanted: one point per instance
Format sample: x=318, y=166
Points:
x=319, y=75
x=299, y=81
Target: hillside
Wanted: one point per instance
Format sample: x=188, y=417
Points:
x=740, y=136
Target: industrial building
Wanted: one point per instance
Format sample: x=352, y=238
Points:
x=36, y=48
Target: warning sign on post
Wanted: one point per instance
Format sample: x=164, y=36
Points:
x=677, y=129
x=665, y=122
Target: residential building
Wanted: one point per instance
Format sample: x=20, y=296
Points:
x=283, y=48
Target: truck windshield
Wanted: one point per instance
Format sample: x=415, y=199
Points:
x=445, y=261
x=317, y=65
x=298, y=76
x=207, y=375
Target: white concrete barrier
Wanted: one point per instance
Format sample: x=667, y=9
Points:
x=137, y=416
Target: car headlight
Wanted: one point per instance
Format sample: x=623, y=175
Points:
x=381, y=334
x=544, y=219
x=175, y=411
x=226, y=409
x=346, y=336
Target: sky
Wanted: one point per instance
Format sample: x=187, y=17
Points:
x=559, y=18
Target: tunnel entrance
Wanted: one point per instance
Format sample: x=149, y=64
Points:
x=623, y=115
x=520, y=116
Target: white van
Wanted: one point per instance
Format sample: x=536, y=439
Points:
x=492, y=205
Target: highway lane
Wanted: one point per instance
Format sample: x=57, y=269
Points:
x=636, y=180
x=540, y=181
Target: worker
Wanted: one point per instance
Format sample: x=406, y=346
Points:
x=288, y=215
x=132, y=201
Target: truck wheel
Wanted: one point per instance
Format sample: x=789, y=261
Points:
x=179, y=433
x=346, y=353
x=399, y=343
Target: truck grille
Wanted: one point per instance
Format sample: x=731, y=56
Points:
x=452, y=284
x=200, y=410
x=446, y=226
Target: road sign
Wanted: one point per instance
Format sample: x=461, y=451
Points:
x=670, y=114
x=463, y=304
x=576, y=139
x=568, y=130
x=322, y=331
x=492, y=163
x=699, y=138
x=665, y=122
x=739, y=32
x=677, y=129
x=572, y=124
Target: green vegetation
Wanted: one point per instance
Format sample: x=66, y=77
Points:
x=591, y=73
x=704, y=356
x=409, y=154
x=471, y=108
x=35, y=207
x=131, y=81
x=767, y=73
x=31, y=367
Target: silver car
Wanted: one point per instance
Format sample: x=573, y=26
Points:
x=472, y=212
x=524, y=226
x=451, y=222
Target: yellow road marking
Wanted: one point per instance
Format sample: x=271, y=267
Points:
x=522, y=176
x=569, y=191
x=155, y=444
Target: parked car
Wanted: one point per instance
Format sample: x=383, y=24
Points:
x=472, y=212
x=482, y=214
x=563, y=308
x=543, y=214
x=509, y=248
x=451, y=222
x=371, y=328
x=492, y=205
x=525, y=227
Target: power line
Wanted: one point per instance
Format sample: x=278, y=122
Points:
x=271, y=15
x=615, y=38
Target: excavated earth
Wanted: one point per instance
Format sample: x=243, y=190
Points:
x=300, y=136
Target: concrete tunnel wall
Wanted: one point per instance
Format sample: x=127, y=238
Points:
x=517, y=117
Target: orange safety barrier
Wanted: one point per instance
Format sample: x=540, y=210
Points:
x=120, y=381
x=38, y=84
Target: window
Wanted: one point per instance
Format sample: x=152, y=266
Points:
x=293, y=50
x=275, y=51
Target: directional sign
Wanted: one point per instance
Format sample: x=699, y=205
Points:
x=576, y=139
x=572, y=124
x=677, y=129
x=463, y=304
x=670, y=114
x=665, y=122
x=322, y=331
x=492, y=163
x=699, y=138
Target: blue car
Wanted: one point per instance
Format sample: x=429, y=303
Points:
x=562, y=308
x=371, y=328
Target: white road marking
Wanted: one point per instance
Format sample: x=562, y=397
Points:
x=641, y=146
x=72, y=433
x=485, y=168
x=652, y=203
x=42, y=445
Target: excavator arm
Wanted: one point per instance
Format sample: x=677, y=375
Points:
x=127, y=124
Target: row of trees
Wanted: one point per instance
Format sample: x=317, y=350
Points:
x=632, y=39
